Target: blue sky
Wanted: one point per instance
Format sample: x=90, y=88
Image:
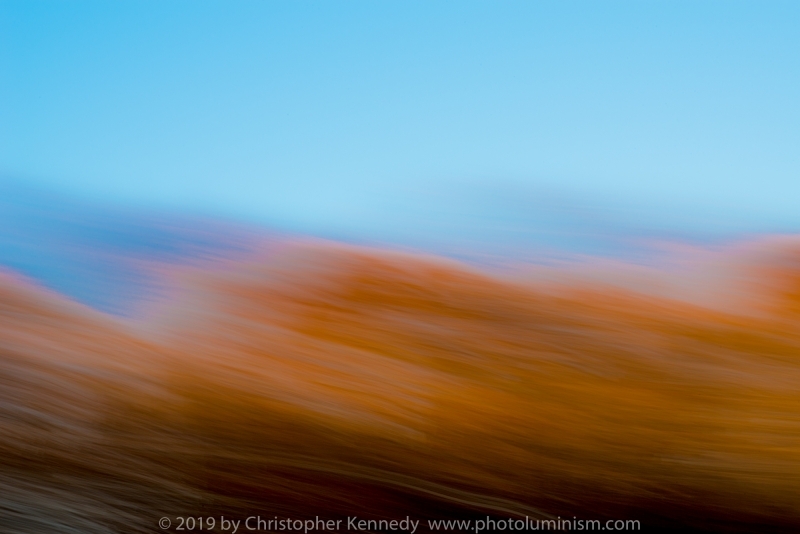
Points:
x=403, y=120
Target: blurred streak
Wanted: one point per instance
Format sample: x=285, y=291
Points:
x=120, y=260
x=327, y=380
x=111, y=259
x=731, y=277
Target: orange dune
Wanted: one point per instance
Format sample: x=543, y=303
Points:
x=332, y=381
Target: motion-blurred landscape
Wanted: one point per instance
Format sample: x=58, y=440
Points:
x=463, y=261
x=298, y=378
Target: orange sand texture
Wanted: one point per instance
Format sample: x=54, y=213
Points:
x=330, y=381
